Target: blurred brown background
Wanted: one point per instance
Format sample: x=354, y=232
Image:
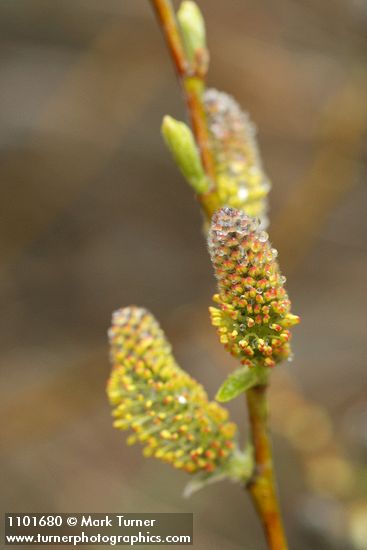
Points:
x=96, y=216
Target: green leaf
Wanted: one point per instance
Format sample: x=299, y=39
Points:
x=239, y=468
x=201, y=481
x=240, y=381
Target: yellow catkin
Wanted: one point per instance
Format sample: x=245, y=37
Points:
x=240, y=178
x=253, y=315
x=168, y=411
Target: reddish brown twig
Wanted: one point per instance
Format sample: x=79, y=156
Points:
x=262, y=485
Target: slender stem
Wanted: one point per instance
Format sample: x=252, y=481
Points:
x=167, y=19
x=193, y=84
x=262, y=484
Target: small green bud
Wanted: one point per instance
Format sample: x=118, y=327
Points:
x=181, y=143
x=192, y=27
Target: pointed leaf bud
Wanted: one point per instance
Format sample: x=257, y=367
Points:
x=241, y=181
x=181, y=143
x=168, y=411
x=253, y=317
x=192, y=26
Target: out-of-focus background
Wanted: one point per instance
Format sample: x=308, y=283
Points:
x=95, y=216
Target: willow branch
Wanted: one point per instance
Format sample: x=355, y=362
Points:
x=192, y=78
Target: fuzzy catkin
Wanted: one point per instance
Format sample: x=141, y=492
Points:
x=240, y=178
x=253, y=317
x=168, y=411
